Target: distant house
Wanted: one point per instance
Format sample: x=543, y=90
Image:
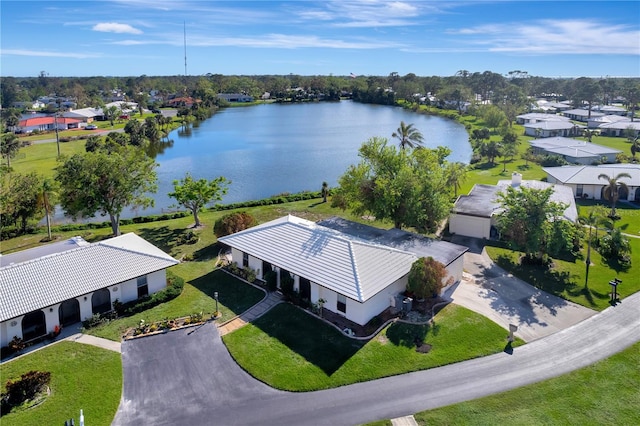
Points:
x=574, y=151
x=584, y=183
x=619, y=128
x=596, y=122
x=28, y=125
x=581, y=114
x=548, y=129
x=611, y=110
x=183, y=101
x=357, y=269
x=66, y=282
x=235, y=97
x=475, y=215
x=29, y=104
x=536, y=117
x=124, y=106
x=87, y=115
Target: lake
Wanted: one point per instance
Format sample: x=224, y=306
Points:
x=273, y=148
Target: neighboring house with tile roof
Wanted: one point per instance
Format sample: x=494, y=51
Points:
x=580, y=114
x=584, y=182
x=536, y=117
x=574, y=151
x=619, y=128
x=357, y=269
x=28, y=125
x=475, y=215
x=552, y=128
x=66, y=282
x=86, y=115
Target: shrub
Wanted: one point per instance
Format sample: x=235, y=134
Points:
x=271, y=278
x=426, y=277
x=286, y=283
x=16, y=344
x=232, y=223
x=24, y=389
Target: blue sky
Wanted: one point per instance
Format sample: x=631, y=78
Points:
x=364, y=37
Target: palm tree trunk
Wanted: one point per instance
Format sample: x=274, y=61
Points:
x=46, y=209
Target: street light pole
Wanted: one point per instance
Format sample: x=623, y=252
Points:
x=55, y=120
x=215, y=296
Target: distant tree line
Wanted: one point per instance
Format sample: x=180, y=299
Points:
x=509, y=91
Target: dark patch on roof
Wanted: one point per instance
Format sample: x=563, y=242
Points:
x=419, y=245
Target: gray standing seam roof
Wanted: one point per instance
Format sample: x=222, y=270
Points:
x=42, y=282
x=349, y=266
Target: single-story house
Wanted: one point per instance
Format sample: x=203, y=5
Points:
x=549, y=128
x=183, y=101
x=619, y=128
x=584, y=182
x=28, y=104
x=582, y=114
x=28, y=125
x=612, y=110
x=87, y=115
x=574, y=151
x=235, y=97
x=357, y=269
x=595, y=122
x=62, y=283
x=535, y=117
x=475, y=215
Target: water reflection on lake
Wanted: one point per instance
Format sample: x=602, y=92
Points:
x=273, y=148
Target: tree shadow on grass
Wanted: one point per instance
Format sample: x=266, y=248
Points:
x=544, y=278
x=589, y=294
x=410, y=335
x=207, y=253
x=312, y=339
x=163, y=237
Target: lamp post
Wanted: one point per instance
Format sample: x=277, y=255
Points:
x=55, y=121
x=215, y=296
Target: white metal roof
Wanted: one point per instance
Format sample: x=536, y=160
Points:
x=343, y=263
x=53, y=278
x=588, y=175
x=572, y=147
x=552, y=125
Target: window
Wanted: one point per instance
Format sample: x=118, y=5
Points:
x=342, y=303
x=245, y=259
x=579, y=189
x=143, y=288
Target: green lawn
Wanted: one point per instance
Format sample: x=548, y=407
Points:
x=311, y=355
x=605, y=393
x=82, y=377
x=567, y=278
x=234, y=297
x=629, y=213
x=42, y=158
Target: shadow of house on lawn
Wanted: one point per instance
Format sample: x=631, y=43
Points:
x=233, y=294
x=315, y=341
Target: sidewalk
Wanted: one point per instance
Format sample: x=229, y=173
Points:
x=257, y=310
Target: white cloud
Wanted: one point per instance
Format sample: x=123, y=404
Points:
x=556, y=37
x=40, y=53
x=114, y=27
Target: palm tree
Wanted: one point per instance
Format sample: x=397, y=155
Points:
x=408, y=136
x=589, y=134
x=635, y=148
x=46, y=197
x=612, y=190
x=456, y=173
x=591, y=220
x=324, y=191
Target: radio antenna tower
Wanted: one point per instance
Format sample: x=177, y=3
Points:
x=185, y=47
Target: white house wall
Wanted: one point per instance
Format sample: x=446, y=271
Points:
x=125, y=292
x=470, y=226
x=362, y=313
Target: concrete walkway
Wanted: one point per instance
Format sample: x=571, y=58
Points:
x=95, y=341
x=491, y=291
x=257, y=310
x=404, y=421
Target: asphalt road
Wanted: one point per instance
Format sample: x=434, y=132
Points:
x=189, y=378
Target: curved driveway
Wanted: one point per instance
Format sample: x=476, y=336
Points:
x=188, y=377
